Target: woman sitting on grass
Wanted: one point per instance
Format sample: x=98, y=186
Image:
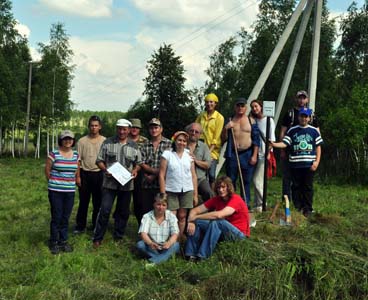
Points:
x=159, y=232
x=224, y=216
x=62, y=174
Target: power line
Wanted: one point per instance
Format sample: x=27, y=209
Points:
x=205, y=28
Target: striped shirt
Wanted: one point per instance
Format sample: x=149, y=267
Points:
x=62, y=175
x=126, y=154
x=159, y=233
x=302, y=142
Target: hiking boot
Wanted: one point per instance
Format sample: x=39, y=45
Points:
x=54, y=248
x=65, y=247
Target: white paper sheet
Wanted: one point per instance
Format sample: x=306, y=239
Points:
x=120, y=173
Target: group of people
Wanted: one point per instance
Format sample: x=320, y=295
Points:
x=175, y=192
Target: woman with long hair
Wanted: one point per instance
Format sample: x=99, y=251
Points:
x=258, y=175
x=224, y=216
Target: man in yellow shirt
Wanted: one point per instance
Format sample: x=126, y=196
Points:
x=212, y=122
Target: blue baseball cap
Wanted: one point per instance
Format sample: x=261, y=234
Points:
x=305, y=111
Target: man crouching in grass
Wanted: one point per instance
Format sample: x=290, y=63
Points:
x=224, y=217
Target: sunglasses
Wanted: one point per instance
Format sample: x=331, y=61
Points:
x=240, y=105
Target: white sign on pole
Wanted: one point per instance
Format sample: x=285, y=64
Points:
x=269, y=108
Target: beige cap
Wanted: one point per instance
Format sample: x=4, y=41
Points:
x=155, y=121
x=66, y=133
x=136, y=123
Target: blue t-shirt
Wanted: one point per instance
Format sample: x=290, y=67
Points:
x=302, y=142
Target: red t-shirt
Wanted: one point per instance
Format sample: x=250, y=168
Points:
x=240, y=218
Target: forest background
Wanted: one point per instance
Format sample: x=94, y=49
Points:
x=341, y=101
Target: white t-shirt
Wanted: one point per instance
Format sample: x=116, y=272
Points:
x=178, y=173
x=262, y=125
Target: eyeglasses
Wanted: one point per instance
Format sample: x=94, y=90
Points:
x=194, y=131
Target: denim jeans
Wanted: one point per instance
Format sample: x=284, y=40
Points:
x=232, y=171
x=157, y=256
x=207, y=233
x=61, y=204
x=121, y=214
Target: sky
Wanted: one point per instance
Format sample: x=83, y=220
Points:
x=112, y=40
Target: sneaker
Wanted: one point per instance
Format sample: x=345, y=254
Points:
x=54, y=248
x=65, y=247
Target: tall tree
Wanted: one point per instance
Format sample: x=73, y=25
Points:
x=344, y=123
x=223, y=74
x=166, y=95
x=352, y=54
x=14, y=58
x=53, y=78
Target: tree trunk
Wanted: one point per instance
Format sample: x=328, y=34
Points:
x=48, y=143
x=38, y=146
x=12, y=140
x=19, y=144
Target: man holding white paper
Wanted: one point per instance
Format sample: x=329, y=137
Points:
x=117, y=149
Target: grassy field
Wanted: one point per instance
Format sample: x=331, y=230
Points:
x=324, y=257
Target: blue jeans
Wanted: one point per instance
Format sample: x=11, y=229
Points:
x=157, y=256
x=232, y=171
x=207, y=233
x=61, y=204
x=121, y=214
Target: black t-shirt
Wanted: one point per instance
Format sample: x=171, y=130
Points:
x=290, y=119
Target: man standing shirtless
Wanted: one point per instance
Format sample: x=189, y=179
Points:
x=241, y=132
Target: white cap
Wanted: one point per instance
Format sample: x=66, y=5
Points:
x=123, y=123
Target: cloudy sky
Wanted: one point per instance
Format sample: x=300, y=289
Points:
x=113, y=39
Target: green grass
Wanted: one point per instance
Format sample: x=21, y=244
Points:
x=324, y=257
